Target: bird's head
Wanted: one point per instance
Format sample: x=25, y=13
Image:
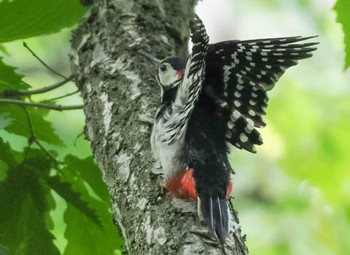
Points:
x=170, y=72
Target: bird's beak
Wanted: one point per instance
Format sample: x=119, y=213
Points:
x=150, y=57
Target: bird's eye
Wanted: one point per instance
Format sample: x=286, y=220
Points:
x=163, y=68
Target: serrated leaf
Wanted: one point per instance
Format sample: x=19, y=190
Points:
x=26, y=18
x=342, y=7
x=78, y=243
x=88, y=171
x=20, y=126
x=7, y=154
x=25, y=203
x=72, y=197
x=9, y=78
x=77, y=171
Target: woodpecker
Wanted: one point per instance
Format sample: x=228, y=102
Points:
x=215, y=98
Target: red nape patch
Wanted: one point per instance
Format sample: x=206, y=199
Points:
x=182, y=185
x=180, y=73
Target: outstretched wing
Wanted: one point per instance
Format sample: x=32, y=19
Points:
x=191, y=85
x=238, y=75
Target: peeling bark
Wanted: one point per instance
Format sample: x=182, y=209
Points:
x=120, y=95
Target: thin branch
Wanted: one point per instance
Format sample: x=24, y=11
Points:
x=40, y=105
x=46, y=151
x=63, y=96
x=42, y=62
x=33, y=137
x=30, y=124
x=10, y=92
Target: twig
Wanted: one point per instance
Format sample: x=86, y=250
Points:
x=76, y=139
x=40, y=105
x=10, y=92
x=42, y=62
x=63, y=96
x=33, y=137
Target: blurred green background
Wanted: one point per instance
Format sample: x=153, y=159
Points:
x=293, y=196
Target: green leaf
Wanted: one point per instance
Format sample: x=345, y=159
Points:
x=86, y=178
x=89, y=172
x=72, y=197
x=25, y=203
x=27, y=18
x=4, y=120
x=3, y=171
x=3, y=250
x=78, y=243
x=19, y=124
x=4, y=50
x=7, y=154
x=9, y=79
x=342, y=7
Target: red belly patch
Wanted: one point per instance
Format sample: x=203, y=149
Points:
x=183, y=185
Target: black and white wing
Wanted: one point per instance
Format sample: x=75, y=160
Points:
x=191, y=85
x=238, y=75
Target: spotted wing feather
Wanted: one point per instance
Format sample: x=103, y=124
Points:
x=238, y=75
x=191, y=85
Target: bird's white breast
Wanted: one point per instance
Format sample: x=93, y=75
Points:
x=170, y=155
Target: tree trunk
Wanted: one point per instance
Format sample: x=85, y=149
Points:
x=120, y=95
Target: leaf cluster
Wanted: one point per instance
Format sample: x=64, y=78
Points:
x=33, y=178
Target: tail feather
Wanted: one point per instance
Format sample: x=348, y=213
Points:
x=215, y=215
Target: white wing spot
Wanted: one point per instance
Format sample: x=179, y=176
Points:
x=250, y=121
x=237, y=103
x=252, y=102
x=235, y=115
x=235, y=59
x=248, y=129
x=243, y=137
x=230, y=125
x=224, y=104
x=251, y=113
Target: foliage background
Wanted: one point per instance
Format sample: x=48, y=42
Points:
x=293, y=195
